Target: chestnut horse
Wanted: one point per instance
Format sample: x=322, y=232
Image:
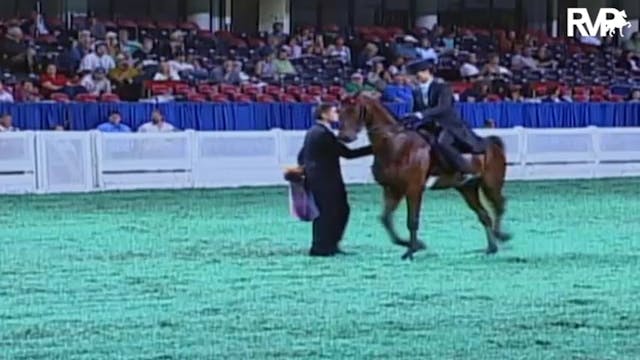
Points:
x=404, y=161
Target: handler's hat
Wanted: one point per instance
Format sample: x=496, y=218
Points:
x=420, y=65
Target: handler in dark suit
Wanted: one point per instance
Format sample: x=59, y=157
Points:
x=320, y=156
x=433, y=103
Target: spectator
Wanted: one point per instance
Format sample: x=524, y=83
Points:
x=340, y=50
x=508, y=41
x=477, y=93
x=470, y=69
x=113, y=45
x=6, y=123
x=266, y=68
x=493, y=67
x=292, y=47
x=114, y=124
x=405, y=47
x=18, y=56
x=378, y=76
x=544, y=59
x=633, y=44
x=277, y=29
x=180, y=64
x=398, y=66
x=81, y=48
x=523, y=59
x=635, y=96
x=489, y=124
x=157, y=124
x=97, y=82
x=5, y=94
x=357, y=85
x=98, y=59
x=147, y=55
x=629, y=62
x=425, y=51
x=368, y=56
x=317, y=49
x=515, y=95
x=399, y=91
x=52, y=81
x=97, y=29
x=555, y=95
x=230, y=73
x=272, y=45
x=283, y=65
x=166, y=73
x=124, y=78
x=175, y=46
x=306, y=38
x=126, y=45
x=27, y=92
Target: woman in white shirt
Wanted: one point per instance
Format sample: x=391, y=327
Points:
x=166, y=73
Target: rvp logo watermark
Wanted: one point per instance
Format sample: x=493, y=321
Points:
x=608, y=21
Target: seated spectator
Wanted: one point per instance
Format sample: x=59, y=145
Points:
x=97, y=29
x=114, y=124
x=52, y=81
x=522, y=59
x=272, y=45
x=635, y=96
x=493, y=67
x=124, y=78
x=555, y=95
x=544, y=59
x=283, y=65
x=470, y=69
x=425, y=51
x=489, y=124
x=515, y=95
x=357, y=85
x=175, y=46
x=27, y=92
x=266, y=68
x=398, y=91
x=477, y=93
x=82, y=47
x=166, y=73
x=398, y=66
x=6, y=123
x=293, y=49
x=98, y=59
x=157, y=124
x=368, y=56
x=113, y=45
x=126, y=45
x=340, y=50
x=405, y=47
x=17, y=55
x=508, y=41
x=633, y=44
x=630, y=62
x=96, y=82
x=180, y=64
x=378, y=76
x=147, y=54
x=317, y=49
x=5, y=95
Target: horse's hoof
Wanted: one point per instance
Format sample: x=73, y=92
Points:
x=503, y=237
x=408, y=255
x=491, y=250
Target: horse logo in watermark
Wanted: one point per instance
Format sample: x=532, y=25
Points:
x=605, y=25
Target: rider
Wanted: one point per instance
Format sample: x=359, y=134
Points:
x=433, y=102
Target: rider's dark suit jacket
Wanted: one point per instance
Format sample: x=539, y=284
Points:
x=320, y=156
x=440, y=109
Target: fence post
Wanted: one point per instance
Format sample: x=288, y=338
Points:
x=595, y=138
x=278, y=136
x=192, y=145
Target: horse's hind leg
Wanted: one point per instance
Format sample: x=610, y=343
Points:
x=472, y=197
x=391, y=200
x=498, y=203
x=414, y=202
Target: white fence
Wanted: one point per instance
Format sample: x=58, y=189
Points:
x=49, y=162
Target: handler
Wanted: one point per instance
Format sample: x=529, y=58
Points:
x=320, y=157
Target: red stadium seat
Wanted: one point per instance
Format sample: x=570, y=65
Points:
x=86, y=97
x=160, y=89
x=273, y=90
x=616, y=98
x=242, y=98
x=580, y=90
x=195, y=97
x=329, y=98
x=219, y=98
x=596, y=98
x=314, y=90
x=306, y=98
x=207, y=89
x=60, y=97
x=110, y=98
x=265, y=99
x=288, y=98
x=493, y=98
x=580, y=98
x=228, y=89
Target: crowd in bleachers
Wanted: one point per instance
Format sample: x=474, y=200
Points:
x=128, y=60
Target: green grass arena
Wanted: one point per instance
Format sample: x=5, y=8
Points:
x=222, y=274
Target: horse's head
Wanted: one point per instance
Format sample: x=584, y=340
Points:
x=353, y=115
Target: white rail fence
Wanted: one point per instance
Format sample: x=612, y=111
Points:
x=52, y=162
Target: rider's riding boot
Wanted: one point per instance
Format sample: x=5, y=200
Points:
x=456, y=159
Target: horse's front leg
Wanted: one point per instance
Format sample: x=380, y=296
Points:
x=414, y=202
x=391, y=201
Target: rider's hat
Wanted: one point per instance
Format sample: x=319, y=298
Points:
x=421, y=65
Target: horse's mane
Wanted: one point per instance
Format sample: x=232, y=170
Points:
x=380, y=111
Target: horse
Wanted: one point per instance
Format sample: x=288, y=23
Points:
x=406, y=161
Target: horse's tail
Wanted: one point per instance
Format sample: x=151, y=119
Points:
x=496, y=140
